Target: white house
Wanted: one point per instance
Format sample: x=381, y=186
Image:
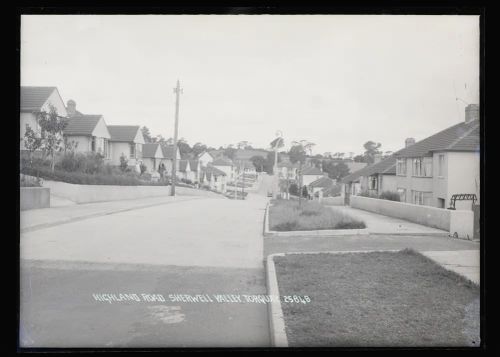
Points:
x=311, y=174
x=429, y=172
x=205, y=157
x=152, y=156
x=168, y=157
x=214, y=178
x=88, y=133
x=35, y=100
x=126, y=140
x=225, y=165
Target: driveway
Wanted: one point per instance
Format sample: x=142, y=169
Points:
x=203, y=246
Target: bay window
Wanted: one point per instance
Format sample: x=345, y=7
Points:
x=401, y=167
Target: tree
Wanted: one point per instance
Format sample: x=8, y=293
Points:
x=298, y=154
x=336, y=171
x=184, y=147
x=371, y=149
x=243, y=144
x=359, y=158
x=32, y=142
x=198, y=148
x=230, y=151
x=327, y=155
x=259, y=162
x=158, y=139
x=52, y=126
x=147, y=134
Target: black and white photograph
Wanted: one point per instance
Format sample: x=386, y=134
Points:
x=250, y=181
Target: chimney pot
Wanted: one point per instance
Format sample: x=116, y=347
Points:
x=471, y=112
x=71, y=107
x=409, y=141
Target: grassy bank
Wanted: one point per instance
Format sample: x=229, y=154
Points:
x=377, y=299
x=286, y=215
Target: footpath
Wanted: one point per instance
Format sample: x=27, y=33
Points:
x=31, y=220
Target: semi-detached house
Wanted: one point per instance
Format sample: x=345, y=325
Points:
x=430, y=171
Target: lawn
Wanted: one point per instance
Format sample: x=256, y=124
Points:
x=376, y=299
x=287, y=215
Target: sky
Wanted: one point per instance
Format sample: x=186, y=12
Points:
x=335, y=80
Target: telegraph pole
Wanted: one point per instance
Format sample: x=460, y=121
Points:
x=177, y=91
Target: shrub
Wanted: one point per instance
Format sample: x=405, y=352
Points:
x=89, y=163
x=390, y=195
x=368, y=194
x=143, y=168
x=123, y=163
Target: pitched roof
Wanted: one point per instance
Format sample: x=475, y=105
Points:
x=333, y=190
x=215, y=171
x=168, y=151
x=385, y=167
x=33, y=98
x=324, y=182
x=123, y=132
x=460, y=137
x=149, y=150
x=312, y=171
x=193, y=164
x=222, y=161
x=183, y=165
x=82, y=125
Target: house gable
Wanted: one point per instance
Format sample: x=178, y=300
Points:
x=101, y=130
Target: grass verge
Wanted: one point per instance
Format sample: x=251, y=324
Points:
x=287, y=215
x=376, y=299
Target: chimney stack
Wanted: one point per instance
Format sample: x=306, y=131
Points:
x=409, y=141
x=471, y=112
x=71, y=107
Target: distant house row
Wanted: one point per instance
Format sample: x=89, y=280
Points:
x=428, y=172
x=87, y=133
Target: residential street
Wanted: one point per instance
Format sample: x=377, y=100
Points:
x=217, y=248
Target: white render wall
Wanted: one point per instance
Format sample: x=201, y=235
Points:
x=463, y=176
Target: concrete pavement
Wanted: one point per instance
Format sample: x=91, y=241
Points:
x=463, y=262
x=379, y=224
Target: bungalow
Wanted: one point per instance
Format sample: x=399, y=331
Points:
x=431, y=171
x=33, y=101
x=214, y=178
x=373, y=179
x=183, y=169
x=152, y=156
x=205, y=157
x=88, y=133
x=317, y=188
x=226, y=165
x=310, y=174
x=128, y=141
x=168, y=157
x=195, y=169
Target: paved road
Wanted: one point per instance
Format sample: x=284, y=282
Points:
x=201, y=246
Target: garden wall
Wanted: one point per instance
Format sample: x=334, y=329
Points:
x=460, y=222
x=101, y=193
x=34, y=197
x=332, y=201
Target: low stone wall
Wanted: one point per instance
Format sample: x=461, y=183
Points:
x=332, y=201
x=458, y=222
x=34, y=197
x=102, y=193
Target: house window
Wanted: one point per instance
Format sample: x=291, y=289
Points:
x=441, y=165
x=93, y=144
x=401, y=167
x=422, y=198
x=422, y=167
x=132, y=150
x=402, y=194
x=372, y=182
